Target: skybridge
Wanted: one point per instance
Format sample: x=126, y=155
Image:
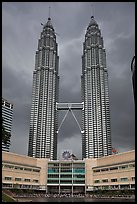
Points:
x=69, y=107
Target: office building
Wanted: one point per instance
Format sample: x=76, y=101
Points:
x=96, y=131
x=45, y=90
x=23, y=172
x=7, y=114
x=113, y=172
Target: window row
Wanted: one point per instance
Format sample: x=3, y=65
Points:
x=115, y=187
x=124, y=179
x=19, y=168
x=8, y=178
x=115, y=168
x=67, y=181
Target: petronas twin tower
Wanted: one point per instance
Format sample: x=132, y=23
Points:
x=45, y=92
x=96, y=134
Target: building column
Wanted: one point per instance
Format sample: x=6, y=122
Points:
x=59, y=188
x=85, y=189
x=72, y=190
x=72, y=179
x=59, y=176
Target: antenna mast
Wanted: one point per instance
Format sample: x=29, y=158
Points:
x=49, y=11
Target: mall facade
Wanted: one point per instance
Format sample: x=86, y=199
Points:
x=69, y=176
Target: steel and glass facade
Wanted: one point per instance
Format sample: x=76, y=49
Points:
x=7, y=115
x=66, y=176
x=43, y=119
x=96, y=133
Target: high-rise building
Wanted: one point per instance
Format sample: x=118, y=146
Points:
x=133, y=74
x=45, y=91
x=7, y=114
x=96, y=132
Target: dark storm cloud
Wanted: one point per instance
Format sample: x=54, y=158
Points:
x=18, y=86
x=20, y=32
x=18, y=92
x=122, y=111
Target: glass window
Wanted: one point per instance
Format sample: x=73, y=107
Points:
x=114, y=180
x=105, y=187
x=114, y=168
x=27, y=169
x=7, y=104
x=17, y=179
x=36, y=170
x=66, y=181
x=97, y=181
x=106, y=169
x=56, y=164
x=27, y=180
x=127, y=186
x=123, y=179
x=53, y=175
x=66, y=176
x=18, y=168
x=123, y=167
x=8, y=166
x=34, y=180
x=53, y=181
x=8, y=178
x=95, y=171
x=6, y=185
x=133, y=178
x=131, y=165
x=69, y=164
x=104, y=180
x=66, y=170
x=53, y=170
x=79, y=170
x=79, y=181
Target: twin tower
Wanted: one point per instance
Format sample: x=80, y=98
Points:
x=95, y=124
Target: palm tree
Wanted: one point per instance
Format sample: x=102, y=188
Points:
x=5, y=135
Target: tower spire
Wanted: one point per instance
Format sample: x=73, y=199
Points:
x=49, y=14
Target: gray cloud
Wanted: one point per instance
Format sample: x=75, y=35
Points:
x=20, y=32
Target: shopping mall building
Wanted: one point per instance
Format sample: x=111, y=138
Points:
x=69, y=176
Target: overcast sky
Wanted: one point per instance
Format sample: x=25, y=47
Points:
x=21, y=28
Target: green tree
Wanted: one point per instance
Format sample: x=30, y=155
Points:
x=5, y=135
